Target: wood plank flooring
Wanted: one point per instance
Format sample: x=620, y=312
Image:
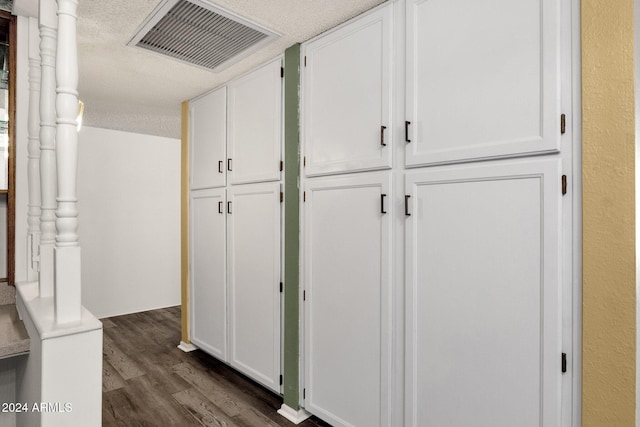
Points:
x=147, y=381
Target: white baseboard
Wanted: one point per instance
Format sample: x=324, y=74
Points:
x=187, y=347
x=292, y=415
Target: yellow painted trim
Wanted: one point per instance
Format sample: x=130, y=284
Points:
x=184, y=221
x=608, y=174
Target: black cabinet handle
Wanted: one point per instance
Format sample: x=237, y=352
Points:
x=406, y=205
x=382, y=128
x=229, y=164
x=220, y=166
x=406, y=131
x=382, y=196
x=229, y=207
x=219, y=207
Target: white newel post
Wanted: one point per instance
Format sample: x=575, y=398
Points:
x=48, y=21
x=68, y=306
x=33, y=152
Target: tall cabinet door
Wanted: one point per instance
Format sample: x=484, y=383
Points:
x=347, y=95
x=208, y=267
x=254, y=281
x=347, y=298
x=255, y=125
x=482, y=79
x=483, y=295
x=208, y=136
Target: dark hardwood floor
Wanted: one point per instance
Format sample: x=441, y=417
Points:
x=147, y=381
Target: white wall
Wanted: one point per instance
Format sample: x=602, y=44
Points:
x=129, y=203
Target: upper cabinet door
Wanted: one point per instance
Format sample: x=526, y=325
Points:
x=347, y=93
x=255, y=125
x=483, y=79
x=208, y=136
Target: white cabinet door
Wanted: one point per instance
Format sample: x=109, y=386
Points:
x=208, y=299
x=482, y=79
x=254, y=281
x=483, y=295
x=347, y=96
x=348, y=298
x=255, y=125
x=208, y=137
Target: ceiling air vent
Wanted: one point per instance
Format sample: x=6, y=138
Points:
x=200, y=33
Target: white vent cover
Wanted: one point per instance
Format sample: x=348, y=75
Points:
x=200, y=33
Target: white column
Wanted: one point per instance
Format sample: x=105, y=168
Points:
x=68, y=305
x=48, y=178
x=33, y=152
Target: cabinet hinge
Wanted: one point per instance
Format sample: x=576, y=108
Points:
x=304, y=161
x=281, y=287
x=281, y=197
x=281, y=72
x=304, y=196
x=563, y=124
x=304, y=393
x=281, y=165
x=564, y=184
x=564, y=362
x=280, y=379
x=305, y=61
x=304, y=295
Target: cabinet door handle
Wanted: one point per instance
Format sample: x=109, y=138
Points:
x=406, y=131
x=219, y=207
x=382, y=196
x=229, y=164
x=229, y=208
x=382, y=128
x=406, y=205
x=220, y=166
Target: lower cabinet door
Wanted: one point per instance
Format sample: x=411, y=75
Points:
x=483, y=293
x=347, y=307
x=254, y=281
x=208, y=268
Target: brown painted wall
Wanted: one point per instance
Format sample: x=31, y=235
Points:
x=609, y=299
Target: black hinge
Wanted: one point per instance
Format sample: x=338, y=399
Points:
x=281, y=165
x=281, y=72
x=564, y=184
x=563, y=124
x=281, y=287
x=280, y=379
x=305, y=61
x=281, y=197
x=304, y=393
x=304, y=295
x=564, y=362
x=304, y=196
x=304, y=161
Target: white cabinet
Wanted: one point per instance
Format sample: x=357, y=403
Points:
x=347, y=87
x=254, y=281
x=208, y=268
x=255, y=125
x=483, y=295
x=347, y=278
x=208, y=139
x=482, y=79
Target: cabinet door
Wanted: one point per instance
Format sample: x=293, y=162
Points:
x=208, y=299
x=255, y=125
x=348, y=297
x=254, y=281
x=483, y=295
x=208, y=139
x=482, y=79
x=347, y=96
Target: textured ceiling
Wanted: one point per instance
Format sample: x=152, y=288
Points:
x=130, y=89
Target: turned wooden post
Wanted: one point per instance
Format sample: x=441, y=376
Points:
x=48, y=21
x=68, y=305
x=33, y=152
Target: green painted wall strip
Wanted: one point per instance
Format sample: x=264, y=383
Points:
x=291, y=226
